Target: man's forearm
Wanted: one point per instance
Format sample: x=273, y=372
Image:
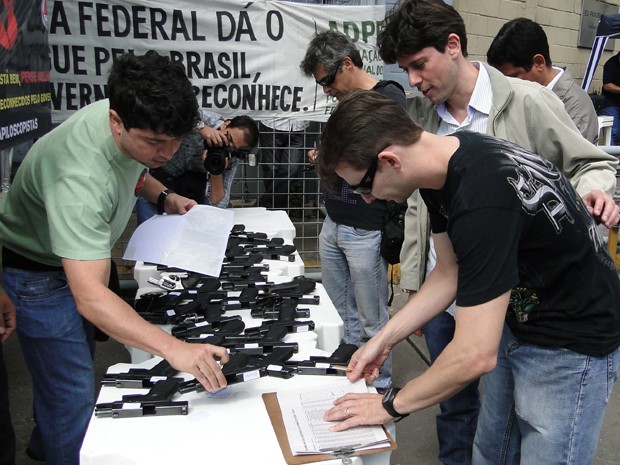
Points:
x=217, y=192
x=471, y=353
x=450, y=373
x=611, y=87
x=88, y=282
x=434, y=297
x=117, y=319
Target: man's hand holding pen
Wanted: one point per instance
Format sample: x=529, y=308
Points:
x=367, y=361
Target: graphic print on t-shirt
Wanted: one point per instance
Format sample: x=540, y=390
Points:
x=541, y=188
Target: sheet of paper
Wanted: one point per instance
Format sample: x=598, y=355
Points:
x=195, y=241
x=308, y=433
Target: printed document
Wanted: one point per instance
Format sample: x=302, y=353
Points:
x=308, y=433
x=195, y=241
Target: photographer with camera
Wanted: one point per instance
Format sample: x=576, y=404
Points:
x=205, y=165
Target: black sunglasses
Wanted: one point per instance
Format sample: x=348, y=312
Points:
x=365, y=185
x=331, y=77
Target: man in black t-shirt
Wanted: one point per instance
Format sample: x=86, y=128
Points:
x=611, y=91
x=537, y=294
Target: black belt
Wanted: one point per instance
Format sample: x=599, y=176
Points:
x=12, y=259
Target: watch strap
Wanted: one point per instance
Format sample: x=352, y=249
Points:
x=161, y=200
x=388, y=404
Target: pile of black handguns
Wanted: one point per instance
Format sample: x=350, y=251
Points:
x=196, y=307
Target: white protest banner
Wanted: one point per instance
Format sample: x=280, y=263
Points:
x=242, y=57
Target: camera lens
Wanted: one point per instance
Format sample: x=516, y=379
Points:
x=215, y=161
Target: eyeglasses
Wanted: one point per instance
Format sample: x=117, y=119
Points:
x=365, y=185
x=331, y=77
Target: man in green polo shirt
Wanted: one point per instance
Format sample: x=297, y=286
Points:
x=69, y=203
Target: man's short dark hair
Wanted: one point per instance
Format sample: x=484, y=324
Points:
x=150, y=92
x=362, y=125
x=517, y=42
x=249, y=127
x=416, y=24
x=329, y=48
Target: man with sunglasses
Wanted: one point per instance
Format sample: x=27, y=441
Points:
x=185, y=172
x=531, y=276
x=428, y=40
x=353, y=270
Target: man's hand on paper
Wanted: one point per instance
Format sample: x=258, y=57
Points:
x=7, y=317
x=357, y=410
x=200, y=361
x=176, y=203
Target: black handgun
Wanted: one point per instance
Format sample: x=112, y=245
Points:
x=246, y=260
x=155, y=402
x=295, y=326
x=274, y=363
x=285, y=253
x=286, y=318
x=237, y=370
x=284, y=311
x=254, y=344
x=245, y=299
x=224, y=326
x=140, y=377
x=299, y=286
x=334, y=365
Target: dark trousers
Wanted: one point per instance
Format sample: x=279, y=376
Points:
x=282, y=156
x=458, y=417
x=7, y=435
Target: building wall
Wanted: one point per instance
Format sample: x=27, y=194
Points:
x=559, y=18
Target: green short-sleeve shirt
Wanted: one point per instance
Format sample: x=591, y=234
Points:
x=73, y=193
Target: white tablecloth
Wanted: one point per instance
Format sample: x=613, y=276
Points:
x=233, y=430
x=275, y=223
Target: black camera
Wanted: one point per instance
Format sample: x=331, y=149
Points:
x=215, y=161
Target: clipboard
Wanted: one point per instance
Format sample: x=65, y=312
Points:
x=275, y=415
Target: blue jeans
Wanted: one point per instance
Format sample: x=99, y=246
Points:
x=57, y=344
x=615, y=128
x=144, y=210
x=355, y=278
x=456, y=422
x=543, y=405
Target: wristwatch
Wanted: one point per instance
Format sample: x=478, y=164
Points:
x=162, y=199
x=388, y=404
x=199, y=125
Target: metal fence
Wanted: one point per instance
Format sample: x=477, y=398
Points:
x=277, y=176
x=283, y=179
